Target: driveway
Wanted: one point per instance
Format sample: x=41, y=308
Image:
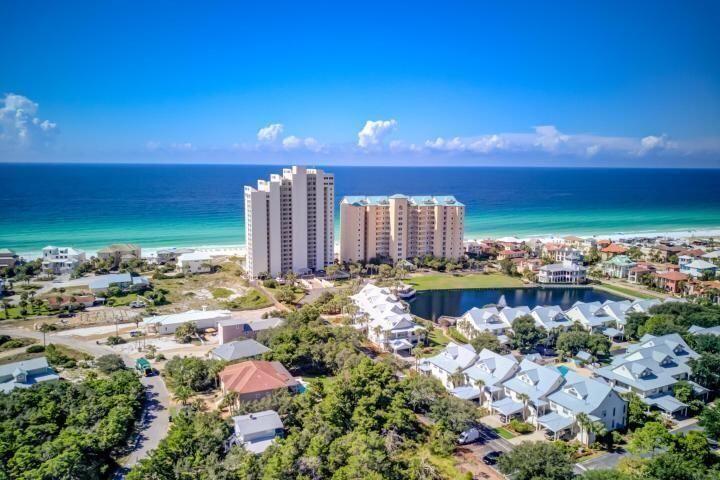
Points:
x=155, y=418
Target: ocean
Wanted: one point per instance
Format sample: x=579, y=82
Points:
x=89, y=206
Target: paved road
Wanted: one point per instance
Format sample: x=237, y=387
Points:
x=155, y=419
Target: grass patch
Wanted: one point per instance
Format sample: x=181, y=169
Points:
x=441, y=281
x=438, y=338
x=626, y=292
x=252, y=300
x=221, y=292
x=14, y=312
x=17, y=342
x=20, y=357
x=505, y=433
x=457, y=336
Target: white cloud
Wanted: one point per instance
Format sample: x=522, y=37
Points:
x=653, y=143
x=373, y=133
x=270, y=133
x=19, y=125
x=592, y=150
x=295, y=143
x=549, y=137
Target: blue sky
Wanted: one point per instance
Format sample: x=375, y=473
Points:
x=551, y=83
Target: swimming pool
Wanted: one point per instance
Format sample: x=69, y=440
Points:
x=563, y=369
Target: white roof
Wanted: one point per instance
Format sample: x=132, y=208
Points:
x=383, y=309
x=454, y=357
x=700, y=265
x=194, y=257
x=189, y=316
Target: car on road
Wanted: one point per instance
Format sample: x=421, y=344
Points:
x=66, y=315
x=492, y=457
x=468, y=436
x=137, y=304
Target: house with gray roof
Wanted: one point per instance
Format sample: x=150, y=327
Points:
x=695, y=330
x=533, y=381
x=582, y=395
x=651, y=368
x=454, y=358
x=125, y=281
x=257, y=431
x=238, y=350
x=485, y=377
x=698, y=268
x=25, y=374
x=488, y=319
x=550, y=318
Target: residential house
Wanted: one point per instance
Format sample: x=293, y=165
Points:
x=651, y=368
x=58, y=301
x=389, y=325
x=699, y=268
x=550, y=318
x=168, y=324
x=612, y=250
x=61, y=260
x=526, y=392
x=256, y=379
x=695, y=330
x=488, y=319
x=670, y=281
x=195, y=262
x=125, y=281
x=618, y=266
x=510, y=254
x=229, y=330
x=166, y=255
x=485, y=377
x=120, y=252
x=8, y=258
x=449, y=363
x=238, y=350
x=712, y=257
x=582, y=395
x=565, y=272
x=637, y=273
x=25, y=374
x=530, y=264
x=664, y=252
x=255, y=432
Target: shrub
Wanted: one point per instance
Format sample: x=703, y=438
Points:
x=270, y=283
x=521, y=427
x=14, y=343
x=115, y=340
x=35, y=349
x=110, y=363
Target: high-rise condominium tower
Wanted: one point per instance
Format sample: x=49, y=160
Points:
x=289, y=222
x=400, y=227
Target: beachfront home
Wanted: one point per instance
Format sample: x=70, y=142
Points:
x=526, y=392
x=612, y=250
x=662, y=252
x=256, y=379
x=167, y=324
x=485, y=377
x=447, y=365
x=651, y=369
x=233, y=328
x=124, y=281
x=255, y=432
x=618, y=266
x=166, y=255
x=195, y=262
x=712, y=257
x=582, y=395
x=8, y=258
x=389, y=325
x=25, y=374
x=61, y=260
x=699, y=268
x=118, y=253
x=238, y=350
x=670, y=281
x=565, y=253
x=488, y=319
x=637, y=273
x=510, y=254
x=565, y=272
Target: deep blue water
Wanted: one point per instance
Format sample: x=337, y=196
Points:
x=90, y=206
x=432, y=304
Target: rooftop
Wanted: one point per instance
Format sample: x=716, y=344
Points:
x=418, y=200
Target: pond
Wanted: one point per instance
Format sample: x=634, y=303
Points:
x=432, y=304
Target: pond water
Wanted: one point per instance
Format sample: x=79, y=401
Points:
x=432, y=304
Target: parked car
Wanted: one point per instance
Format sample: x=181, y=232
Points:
x=469, y=436
x=492, y=457
x=137, y=304
x=66, y=315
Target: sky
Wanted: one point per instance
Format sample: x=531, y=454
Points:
x=374, y=83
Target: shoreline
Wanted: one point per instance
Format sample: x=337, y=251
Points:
x=238, y=249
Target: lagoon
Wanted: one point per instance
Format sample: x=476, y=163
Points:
x=432, y=304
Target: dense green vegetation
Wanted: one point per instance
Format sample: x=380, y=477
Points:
x=252, y=300
x=67, y=430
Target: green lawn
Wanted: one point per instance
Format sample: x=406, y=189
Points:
x=252, y=300
x=299, y=293
x=221, y=292
x=505, y=433
x=438, y=338
x=626, y=291
x=442, y=281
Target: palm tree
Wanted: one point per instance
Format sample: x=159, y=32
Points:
x=182, y=394
x=377, y=329
x=584, y=423
x=291, y=278
x=524, y=398
x=6, y=307
x=457, y=378
x=480, y=384
x=44, y=328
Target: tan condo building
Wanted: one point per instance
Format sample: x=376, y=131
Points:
x=289, y=222
x=400, y=227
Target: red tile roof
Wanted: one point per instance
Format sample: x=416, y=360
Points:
x=256, y=376
x=614, y=248
x=672, y=276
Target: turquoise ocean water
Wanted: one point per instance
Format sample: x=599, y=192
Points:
x=90, y=206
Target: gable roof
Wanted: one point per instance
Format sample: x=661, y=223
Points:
x=453, y=357
x=239, y=349
x=492, y=368
x=581, y=394
x=257, y=422
x=534, y=380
